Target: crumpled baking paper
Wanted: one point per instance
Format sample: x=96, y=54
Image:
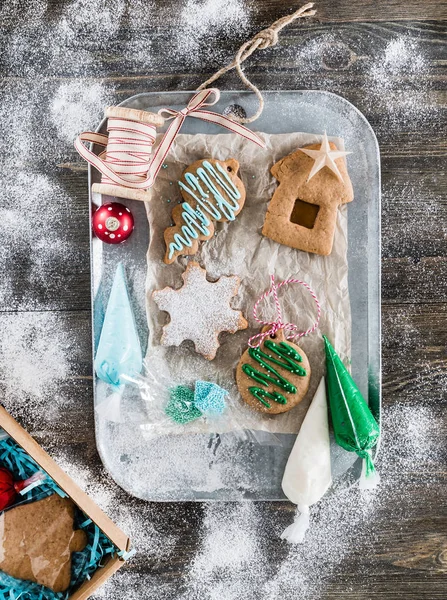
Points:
x=239, y=248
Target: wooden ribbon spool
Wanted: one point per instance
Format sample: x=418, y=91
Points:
x=108, y=188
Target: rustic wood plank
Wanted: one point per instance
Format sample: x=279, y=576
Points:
x=162, y=15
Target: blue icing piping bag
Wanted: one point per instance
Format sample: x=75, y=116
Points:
x=119, y=355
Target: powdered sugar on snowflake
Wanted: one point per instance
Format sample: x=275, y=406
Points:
x=200, y=310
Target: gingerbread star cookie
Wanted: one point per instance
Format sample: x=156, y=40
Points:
x=212, y=191
x=38, y=539
x=200, y=310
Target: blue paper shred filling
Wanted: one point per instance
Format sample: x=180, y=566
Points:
x=83, y=564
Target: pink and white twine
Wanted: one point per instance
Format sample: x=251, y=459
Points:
x=290, y=329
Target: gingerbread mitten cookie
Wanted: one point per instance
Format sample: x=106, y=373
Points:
x=274, y=377
x=212, y=191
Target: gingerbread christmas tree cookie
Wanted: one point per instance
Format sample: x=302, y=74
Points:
x=37, y=541
x=200, y=310
x=313, y=183
x=212, y=191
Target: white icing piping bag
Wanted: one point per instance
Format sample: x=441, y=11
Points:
x=307, y=475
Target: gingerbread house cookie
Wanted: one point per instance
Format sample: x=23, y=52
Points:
x=313, y=183
x=37, y=541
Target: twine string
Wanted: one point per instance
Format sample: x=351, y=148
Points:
x=291, y=331
x=264, y=39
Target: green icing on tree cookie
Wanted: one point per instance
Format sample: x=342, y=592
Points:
x=286, y=357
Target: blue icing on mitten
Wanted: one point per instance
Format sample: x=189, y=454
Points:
x=209, y=398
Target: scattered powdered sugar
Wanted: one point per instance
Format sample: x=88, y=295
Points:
x=392, y=85
x=139, y=520
x=88, y=19
x=78, y=106
x=338, y=525
x=203, y=24
x=410, y=103
x=67, y=43
x=426, y=208
x=33, y=11
x=421, y=428
x=230, y=557
x=34, y=351
x=41, y=247
x=206, y=17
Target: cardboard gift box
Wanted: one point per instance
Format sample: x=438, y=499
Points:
x=111, y=563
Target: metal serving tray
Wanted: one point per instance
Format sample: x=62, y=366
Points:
x=222, y=467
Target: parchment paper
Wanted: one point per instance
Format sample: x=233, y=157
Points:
x=239, y=248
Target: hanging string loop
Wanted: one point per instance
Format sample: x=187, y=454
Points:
x=263, y=39
x=291, y=331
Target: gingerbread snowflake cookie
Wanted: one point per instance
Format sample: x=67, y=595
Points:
x=200, y=310
x=212, y=191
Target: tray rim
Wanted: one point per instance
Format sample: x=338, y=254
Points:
x=374, y=379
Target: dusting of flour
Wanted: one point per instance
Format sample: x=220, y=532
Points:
x=57, y=84
x=34, y=351
x=411, y=106
x=78, y=106
x=204, y=24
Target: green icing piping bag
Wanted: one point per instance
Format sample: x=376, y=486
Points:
x=355, y=428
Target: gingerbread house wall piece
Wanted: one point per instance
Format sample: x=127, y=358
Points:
x=302, y=214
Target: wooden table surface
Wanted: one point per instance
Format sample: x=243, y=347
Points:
x=348, y=49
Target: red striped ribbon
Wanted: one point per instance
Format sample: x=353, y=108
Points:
x=126, y=160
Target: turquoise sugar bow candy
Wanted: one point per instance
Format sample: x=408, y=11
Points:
x=209, y=398
x=181, y=408
x=186, y=405
x=119, y=350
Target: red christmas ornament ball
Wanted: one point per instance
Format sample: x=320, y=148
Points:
x=112, y=223
x=8, y=488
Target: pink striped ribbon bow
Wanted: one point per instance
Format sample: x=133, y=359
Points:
x=290, y=329
x=126, y=161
